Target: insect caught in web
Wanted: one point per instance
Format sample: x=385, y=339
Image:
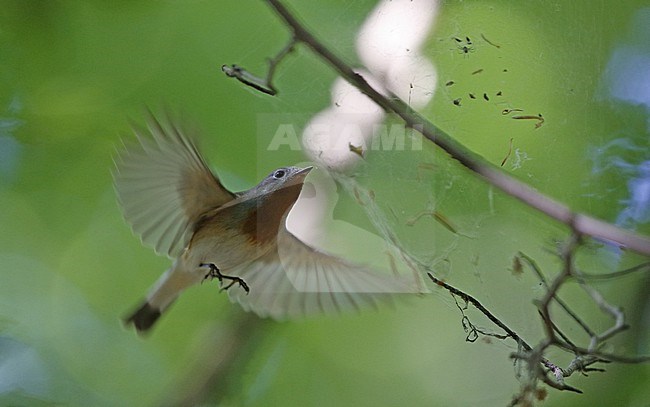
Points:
x=464, y=47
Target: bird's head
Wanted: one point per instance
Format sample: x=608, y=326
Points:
x=284, y=177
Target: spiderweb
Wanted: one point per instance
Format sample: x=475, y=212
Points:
x=521, y=96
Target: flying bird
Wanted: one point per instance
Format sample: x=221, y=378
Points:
x=179, y=207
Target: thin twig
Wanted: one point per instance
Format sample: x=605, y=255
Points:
x=468, y=298
x=248, y=79
x=263, y=85
x=534, y=358
x=614, y=312
x=583, y=224
x=559, y=332
x=610, y=276
x=472, y=330
x=580, y=224
x=558, y=281
x=560, y=302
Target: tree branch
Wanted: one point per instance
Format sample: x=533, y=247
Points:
x=583, y=224
x=469, y=299
x=580, y=225
x=263, y=85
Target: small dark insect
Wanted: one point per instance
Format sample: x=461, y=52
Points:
x=478, y=71
x=449, y=83
x=517, y=267
x=471, y=95
x=457, y=102
x=485, y=96
x=464, y=47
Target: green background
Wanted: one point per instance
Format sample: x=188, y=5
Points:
x=72, y=75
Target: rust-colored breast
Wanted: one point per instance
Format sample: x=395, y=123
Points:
x=255, y=220
x=263, y=223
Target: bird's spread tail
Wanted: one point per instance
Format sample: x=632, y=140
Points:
x=144, y=317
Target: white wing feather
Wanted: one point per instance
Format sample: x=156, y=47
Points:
x=294, y=280
x=163, y=185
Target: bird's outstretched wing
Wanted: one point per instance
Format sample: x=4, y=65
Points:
x=163, y=184
x=294, y=280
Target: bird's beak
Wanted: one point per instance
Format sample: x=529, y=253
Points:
x=305, y=171
x=299, y=177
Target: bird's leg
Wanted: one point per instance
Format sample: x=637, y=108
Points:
x=216, y=273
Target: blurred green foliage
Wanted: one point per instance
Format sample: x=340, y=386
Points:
x=74, y=73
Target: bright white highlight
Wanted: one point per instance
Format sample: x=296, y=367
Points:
x=388, y=44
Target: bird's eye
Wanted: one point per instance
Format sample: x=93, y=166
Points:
x=279, y=174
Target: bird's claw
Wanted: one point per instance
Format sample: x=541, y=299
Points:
x=216, y=273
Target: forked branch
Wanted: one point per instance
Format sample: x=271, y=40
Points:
x=583, y=224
